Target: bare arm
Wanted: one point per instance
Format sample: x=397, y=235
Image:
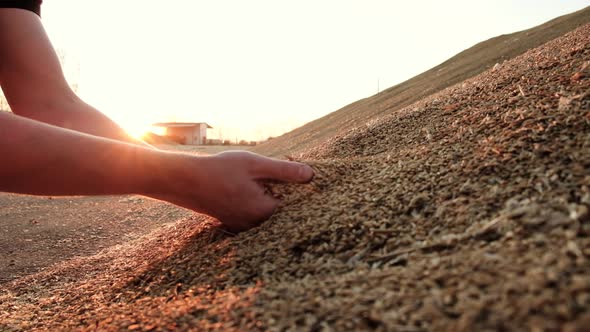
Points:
x=39, y=155
x=41, y=159
x=34, y=84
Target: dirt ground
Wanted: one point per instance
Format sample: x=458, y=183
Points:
x=37, y=232
x=204, y=149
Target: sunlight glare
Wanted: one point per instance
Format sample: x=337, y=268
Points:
x=136, y=130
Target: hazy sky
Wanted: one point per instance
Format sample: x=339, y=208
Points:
x=260, y=68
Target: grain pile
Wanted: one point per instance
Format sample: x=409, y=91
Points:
x=468, y=210
x=466, y=64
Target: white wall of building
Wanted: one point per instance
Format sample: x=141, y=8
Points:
x=194, y=135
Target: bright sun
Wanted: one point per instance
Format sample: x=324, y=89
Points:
x=136, y=131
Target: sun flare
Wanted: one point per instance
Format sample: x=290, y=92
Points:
x=136, y=130
x=139, y=131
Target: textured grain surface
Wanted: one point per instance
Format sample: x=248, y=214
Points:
x=466, y=211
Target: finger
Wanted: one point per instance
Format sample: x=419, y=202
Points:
x=286, y=171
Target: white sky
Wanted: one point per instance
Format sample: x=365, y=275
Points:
x=254, y=69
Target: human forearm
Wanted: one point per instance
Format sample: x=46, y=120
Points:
x=47, y=160
x=72, y=113
x=67, y=111
x=44, y=159
x=34, y=83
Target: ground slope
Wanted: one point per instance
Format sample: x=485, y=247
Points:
x=466, y=211
x=464, y=65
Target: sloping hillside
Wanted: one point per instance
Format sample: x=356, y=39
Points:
x=466, y=64
x=466, y=211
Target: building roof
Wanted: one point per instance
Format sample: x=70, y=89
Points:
x=180, y=124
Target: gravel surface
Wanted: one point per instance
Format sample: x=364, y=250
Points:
x=466, y=211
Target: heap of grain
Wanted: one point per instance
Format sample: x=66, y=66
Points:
x=466, y=211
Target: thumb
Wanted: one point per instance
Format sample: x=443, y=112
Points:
x=286, y=171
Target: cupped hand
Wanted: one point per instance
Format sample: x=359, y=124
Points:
x=228, y=186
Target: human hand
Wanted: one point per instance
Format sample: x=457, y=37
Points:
x=228, y=186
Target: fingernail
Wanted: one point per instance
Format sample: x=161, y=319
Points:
x=305, y=172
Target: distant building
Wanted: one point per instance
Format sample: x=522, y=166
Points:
x=189, y=133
